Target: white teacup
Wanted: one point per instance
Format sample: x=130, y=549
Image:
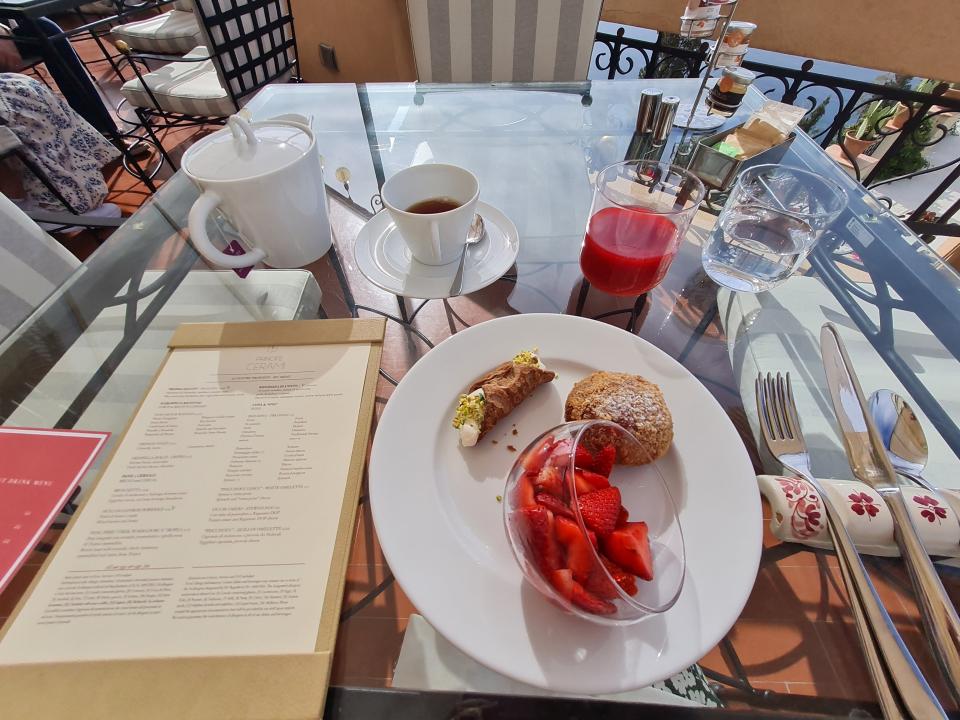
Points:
x=433, y=238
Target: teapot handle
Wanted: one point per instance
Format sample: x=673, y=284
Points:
x=197, y=223
x=241, y=130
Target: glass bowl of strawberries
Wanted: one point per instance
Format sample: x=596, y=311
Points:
x=601, y=540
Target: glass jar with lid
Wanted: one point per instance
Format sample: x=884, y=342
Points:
x=735, y=43
x=727, y=94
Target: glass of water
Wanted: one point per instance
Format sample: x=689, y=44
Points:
x=772, y=220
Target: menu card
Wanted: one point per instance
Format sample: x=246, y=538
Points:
x=39, y=470
x=217, y=532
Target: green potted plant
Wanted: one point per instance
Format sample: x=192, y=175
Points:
x=860, y=136
x=901, y=113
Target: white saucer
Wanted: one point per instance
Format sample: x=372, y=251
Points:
x=385, y=260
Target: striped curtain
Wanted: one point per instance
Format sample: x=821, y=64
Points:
x=503, y=40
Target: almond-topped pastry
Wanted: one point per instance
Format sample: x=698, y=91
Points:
x=492, y=397
x=630, y=401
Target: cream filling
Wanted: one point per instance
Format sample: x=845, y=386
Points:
x=470, y=429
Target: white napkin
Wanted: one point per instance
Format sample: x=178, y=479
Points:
x=798, y=515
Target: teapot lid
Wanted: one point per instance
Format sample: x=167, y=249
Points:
x=244, y=150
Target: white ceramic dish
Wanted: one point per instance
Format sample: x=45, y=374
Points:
x=440, y=524
x=385, y=260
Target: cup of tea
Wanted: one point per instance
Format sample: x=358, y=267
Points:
x=432, y=207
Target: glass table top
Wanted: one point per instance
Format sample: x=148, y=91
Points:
x=85, y=357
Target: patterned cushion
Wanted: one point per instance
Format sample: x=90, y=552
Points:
x=192, y=88
x=506, y=40
x=172, y=32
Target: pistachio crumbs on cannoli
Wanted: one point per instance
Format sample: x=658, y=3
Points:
x=494, y=395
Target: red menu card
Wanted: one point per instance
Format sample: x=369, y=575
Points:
x=39, y=470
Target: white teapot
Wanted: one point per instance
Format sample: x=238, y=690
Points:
x=266, y=178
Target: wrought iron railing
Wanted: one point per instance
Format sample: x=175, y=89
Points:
x=907, y=121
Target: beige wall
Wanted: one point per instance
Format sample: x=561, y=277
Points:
x=371, y=38
x=913, y=37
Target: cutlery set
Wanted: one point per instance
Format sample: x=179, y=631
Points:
x=876, y=457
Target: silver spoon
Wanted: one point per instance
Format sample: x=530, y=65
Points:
x=902, y=436
x=904, y=440
x=474, y=235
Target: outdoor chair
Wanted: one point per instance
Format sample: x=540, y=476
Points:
x=248, y=44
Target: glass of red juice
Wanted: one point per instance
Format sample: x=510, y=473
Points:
x=641, y=211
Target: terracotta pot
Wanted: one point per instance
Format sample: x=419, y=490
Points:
x=855, y=146
x=899, y=118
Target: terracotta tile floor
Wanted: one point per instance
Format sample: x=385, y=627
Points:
x=795, y=635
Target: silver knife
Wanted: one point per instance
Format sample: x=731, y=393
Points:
x=870, y=465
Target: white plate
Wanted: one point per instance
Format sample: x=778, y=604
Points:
x=441, y=527
x=384, y=258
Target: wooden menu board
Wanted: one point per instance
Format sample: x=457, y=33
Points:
x=203, y=576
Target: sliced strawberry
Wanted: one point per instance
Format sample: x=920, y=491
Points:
x=593, y=538
x=603, y=460
x=622, y=517
x=588, y=481
x=554, y=505
x=537, y=527
x=525, y=492
x=599, y=584
x=550, y=481
x=600, y=509
x=580, y=554
x=537, y=456
x=590, y=602
x=584, y=458
x=623, y=578
x=563, y=582
x=629, y=547
x=573, y=591
x=559, y=454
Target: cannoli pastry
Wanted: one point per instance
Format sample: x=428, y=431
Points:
x=493, y=396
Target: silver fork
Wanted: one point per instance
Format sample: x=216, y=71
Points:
x=888, y=659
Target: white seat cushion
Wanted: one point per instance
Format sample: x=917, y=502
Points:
x=192, y=88
x=172, y=32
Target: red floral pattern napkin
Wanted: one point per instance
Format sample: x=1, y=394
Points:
x=798, y=515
